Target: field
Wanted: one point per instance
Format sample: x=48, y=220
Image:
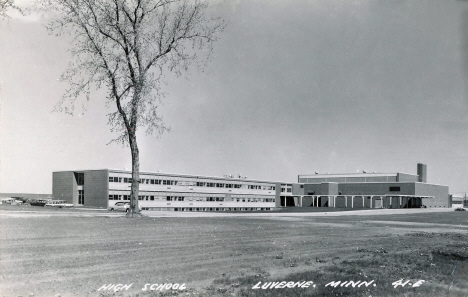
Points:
x=64, y=252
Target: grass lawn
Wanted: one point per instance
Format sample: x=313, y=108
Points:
x=229, y=256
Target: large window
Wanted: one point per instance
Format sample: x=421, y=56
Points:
x=175, y=198
x=115, y=179
x=79, y=178
x=214, y=198
x=81, y=197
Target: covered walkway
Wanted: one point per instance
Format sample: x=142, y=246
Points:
x=355, y=201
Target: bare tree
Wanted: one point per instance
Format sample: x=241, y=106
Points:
x=7, y=5
x=124, y=47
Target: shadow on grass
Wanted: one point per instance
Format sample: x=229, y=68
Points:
x=439, y=270
x=424, y=272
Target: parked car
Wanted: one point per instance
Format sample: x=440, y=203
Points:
x=7, y=200
x=38, y=202
x=58, y=203
x=121, y=206
x=460, y=209
x=20, y=200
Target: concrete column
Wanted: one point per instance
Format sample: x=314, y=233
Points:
x=334, y=201
x=346, y=201
x=352, y=201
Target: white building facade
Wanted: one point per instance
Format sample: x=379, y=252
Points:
x=170, y=192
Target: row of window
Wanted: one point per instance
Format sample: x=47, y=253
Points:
x=254, y=200
x=182, y=198
x=156, y=194
x=190, y=198
x=115, y=179
x=206, y=208
x=249, y=196
x=218, y=185
x=168, y=198
x=189, y=194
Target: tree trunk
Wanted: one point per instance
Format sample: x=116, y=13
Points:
x=135, y=172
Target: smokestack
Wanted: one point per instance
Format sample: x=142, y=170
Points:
x=422, y=173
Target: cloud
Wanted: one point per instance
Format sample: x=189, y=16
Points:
x=455, y=126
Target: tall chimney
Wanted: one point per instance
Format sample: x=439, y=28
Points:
x=422, y=173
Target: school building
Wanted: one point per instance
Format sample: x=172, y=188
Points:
x=369, y=190
x=173, y=192
x=178, y=192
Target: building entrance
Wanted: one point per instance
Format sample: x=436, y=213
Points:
x=287, y=201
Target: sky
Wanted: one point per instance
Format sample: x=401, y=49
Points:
x=293, y=87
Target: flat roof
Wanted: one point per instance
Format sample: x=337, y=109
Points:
x=185, y=175
x=392, y=183
x=325, y=175
x=337, y=175
x=365, y=195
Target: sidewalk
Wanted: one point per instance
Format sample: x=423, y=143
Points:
x=367, y=212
